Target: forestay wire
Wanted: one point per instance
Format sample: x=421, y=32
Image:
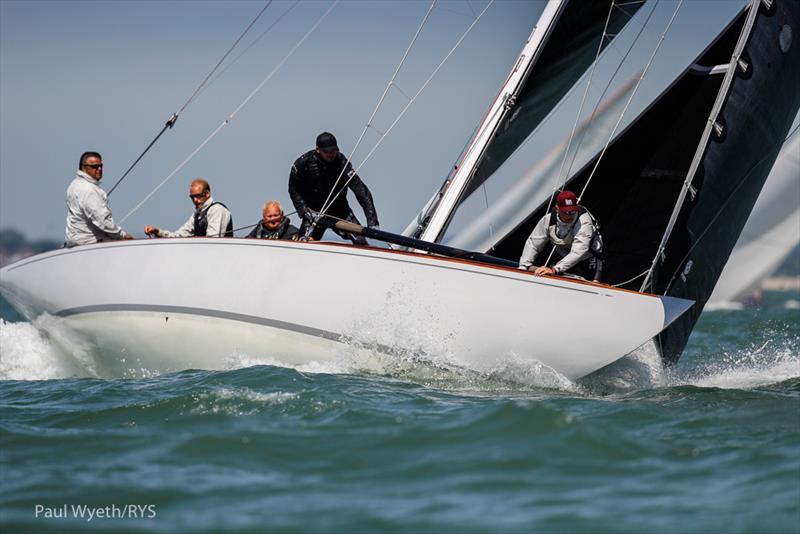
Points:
x=174, y=118
x=411, y=101
x=235, y=111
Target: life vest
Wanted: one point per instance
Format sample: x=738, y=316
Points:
x=263, y=233
x=201, y=222
x=564, y=244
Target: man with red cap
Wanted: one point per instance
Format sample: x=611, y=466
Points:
x=574, y=234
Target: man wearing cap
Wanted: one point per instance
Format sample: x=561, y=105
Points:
x=313, y=179
x=575, y=235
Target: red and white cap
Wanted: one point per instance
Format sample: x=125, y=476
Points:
x=567, y=201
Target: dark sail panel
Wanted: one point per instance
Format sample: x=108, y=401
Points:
x=762, y=102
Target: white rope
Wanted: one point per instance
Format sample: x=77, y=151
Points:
x=626, y=282
x=389, y=85
x=232, y=115
x=413, y=99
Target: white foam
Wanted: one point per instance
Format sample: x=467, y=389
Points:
x=748, y=369
x=723, y=305
x=771, y=363
x=26, y=355
x=237, y=401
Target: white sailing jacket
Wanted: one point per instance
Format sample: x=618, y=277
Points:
x=573, y=241
x=89, y=218
x=217, y=216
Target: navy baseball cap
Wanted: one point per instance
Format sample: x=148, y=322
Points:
x=326, y=142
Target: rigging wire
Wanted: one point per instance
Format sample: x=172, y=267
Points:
x=389, y=85
x=610, y=81
x=622, y=114
x=235, y=111
x=404, y=110
x=586, y=92
x=256, y=40
x=718, y=213
x=630, y=98
x=174, y=118
x=599, y=101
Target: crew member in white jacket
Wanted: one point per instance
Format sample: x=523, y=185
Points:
x=89, y=218
x=210, y=218
x=573, y=232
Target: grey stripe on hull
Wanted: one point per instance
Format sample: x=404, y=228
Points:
x=203, y=312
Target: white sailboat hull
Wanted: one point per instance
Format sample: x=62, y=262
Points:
x=165, y=305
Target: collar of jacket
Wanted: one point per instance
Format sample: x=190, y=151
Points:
x=205, y=205
x=81, y=174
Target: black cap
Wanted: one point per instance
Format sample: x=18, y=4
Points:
x=326, y=142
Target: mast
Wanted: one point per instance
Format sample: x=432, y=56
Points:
x=500, y=108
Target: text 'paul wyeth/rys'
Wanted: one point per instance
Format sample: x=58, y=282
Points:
x=88, y=513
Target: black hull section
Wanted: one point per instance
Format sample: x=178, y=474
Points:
x=756, y=117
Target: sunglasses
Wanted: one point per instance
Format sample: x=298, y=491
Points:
x=95, y=166
x=198, y=195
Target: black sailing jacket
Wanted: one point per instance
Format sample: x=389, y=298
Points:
x=312, y=178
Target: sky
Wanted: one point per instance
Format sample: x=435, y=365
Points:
x=106, y=75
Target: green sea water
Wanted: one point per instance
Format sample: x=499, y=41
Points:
x=712, y=445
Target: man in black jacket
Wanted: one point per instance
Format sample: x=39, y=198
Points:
x=314, y=177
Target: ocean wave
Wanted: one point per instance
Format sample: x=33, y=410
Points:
x=25, y=354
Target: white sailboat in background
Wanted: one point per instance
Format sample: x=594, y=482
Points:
x=299, y=302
